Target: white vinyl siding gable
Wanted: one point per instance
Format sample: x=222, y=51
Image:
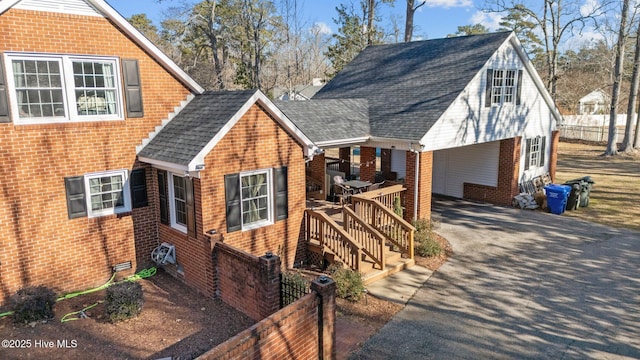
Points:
x=468, y=121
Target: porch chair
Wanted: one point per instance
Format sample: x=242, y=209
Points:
x=342, y=193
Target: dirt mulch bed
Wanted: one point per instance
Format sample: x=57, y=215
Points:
x=175, y=322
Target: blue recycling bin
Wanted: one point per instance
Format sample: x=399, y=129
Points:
x=557, y=196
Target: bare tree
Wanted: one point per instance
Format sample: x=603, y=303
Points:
x=612, y=142
x=412, y=6
x=556, y=20
x=627, y=142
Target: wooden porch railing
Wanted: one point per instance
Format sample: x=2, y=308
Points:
x=321, y=228
x=364, y=234
x=386, y=195
x=395, y=229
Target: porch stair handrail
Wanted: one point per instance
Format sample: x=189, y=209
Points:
x=364, y=234
x=321, y=228
x=393, y=227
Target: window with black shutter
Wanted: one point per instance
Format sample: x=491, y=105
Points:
x=138, y=182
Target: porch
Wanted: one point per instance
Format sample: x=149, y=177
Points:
x=368, y=234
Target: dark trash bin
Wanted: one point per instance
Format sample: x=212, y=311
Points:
x=573, y=202
x=586, y=184
x=557, y=196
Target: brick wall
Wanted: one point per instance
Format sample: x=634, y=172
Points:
x=302, y=330
x=318, y=170
x=508, y=172
x=344, y=153
x=40, y=245
x=424, y=187
x=249, y=283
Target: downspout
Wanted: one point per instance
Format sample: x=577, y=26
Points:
x=415, y=192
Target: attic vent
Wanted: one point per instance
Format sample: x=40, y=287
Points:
x=75, y=7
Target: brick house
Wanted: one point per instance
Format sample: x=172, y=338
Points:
x=466, y=117
x=82, y=92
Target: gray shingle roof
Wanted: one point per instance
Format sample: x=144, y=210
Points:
x=410, y=85
x=192, y=129
x=328, y=120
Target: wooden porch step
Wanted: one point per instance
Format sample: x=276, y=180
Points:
x=392, y=267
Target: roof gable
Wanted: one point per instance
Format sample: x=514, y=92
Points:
x=410, y=85
x=100, y=7
x=185, y=141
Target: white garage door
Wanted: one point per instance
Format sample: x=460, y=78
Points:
x=476, y=164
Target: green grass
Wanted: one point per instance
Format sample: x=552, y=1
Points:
x=615, y=197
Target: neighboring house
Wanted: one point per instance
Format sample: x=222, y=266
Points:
x=299, y=92
x=466, y=117
x=594, y=103
x=79, y=202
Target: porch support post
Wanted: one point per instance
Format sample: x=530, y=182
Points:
x=367, y=164
x=318, y=168
x=508, y=170
x=423, y=205
x=345, y=160
x=385, y=163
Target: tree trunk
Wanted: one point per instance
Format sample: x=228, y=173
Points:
x=370, y=19
x=408, y=23
x=627, y=143
x=213, y=38
x=612, y=142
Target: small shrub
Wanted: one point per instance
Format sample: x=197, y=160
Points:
x=124, y=301
x=33, y=303
x=397, y=206
x=349, y=284
x=424, y=240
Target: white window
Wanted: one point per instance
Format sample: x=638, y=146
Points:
x=107, y=193
x=535, y=152
x=61, y=88
x=503, y=86
x=178, y=202
x=256, y=199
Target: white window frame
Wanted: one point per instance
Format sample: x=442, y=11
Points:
x=125, y=193
x=270, y=199
x=172, y=204
x=500, y=91
x=68, y=88
x=535, y=152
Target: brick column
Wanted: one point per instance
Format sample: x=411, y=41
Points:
x=318, y=169
x=508, y=170
x=345, y=165
x=367, y=157
x=269, y=281
x=424, y=185
x=553, y=156
x=325, y=287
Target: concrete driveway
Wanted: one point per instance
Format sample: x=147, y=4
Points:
x=521, y=284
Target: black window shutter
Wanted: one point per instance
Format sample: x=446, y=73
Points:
x=138, y=182
x=487, y=91
x=542, y=150
x=4, y=101
x=527, y=158
x=232, y=198
x=519, y=90
x=282, y=197
x=162, y=191
x=191, y=208
x=132, y=88
x=76, y=198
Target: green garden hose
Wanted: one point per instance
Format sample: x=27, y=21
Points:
x=74, y=294
x=81, y=313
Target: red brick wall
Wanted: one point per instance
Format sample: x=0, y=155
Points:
x=367, y=163
x=302, y=330
x=249, y=283
x=40, y=245
x=508, y=172
x=424, y=187
x=344, y=153
x=318, y=170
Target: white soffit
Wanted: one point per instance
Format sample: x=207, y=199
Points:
x=74, y=7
